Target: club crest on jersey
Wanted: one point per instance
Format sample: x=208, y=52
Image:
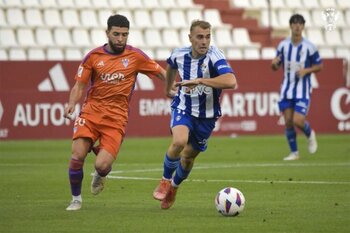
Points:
x=125, y=62
x=203, y=67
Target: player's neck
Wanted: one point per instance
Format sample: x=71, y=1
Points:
x=296, y=39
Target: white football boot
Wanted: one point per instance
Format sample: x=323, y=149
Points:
x=74, y=205
x=97, y=183
x=292, y=156
x=312, y=143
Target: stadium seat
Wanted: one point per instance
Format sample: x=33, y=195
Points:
x=127, y=13
x=116, y=4
x=88, y=18
x=213, y=16
x=98, y=37
x=136, y=38
x=241, y=3
x=103, y=16
x=258, y=4
x=311, y=4
x=149, y=52
x=343, y=52
x=162, y=54
x=185, y=41
x=317, y=18
x=160, y=18
x=151, y=4
x=44, y=37
x=347, y=17
x=283, y=16
x=294, y=4
x=3, y=55
x=187, y=4
x=345, y=36
x=326, y=52
x=25, y=37
x=73, y=54
x=142, y=18
x=241, y=38
x=17, y=54
x=193, y=14
x=65, y=4
x=234, y=54
x=15, y=17
x=134, y=4
x=62, y=37
x=153, y=38
x=81, y=37
x=100, y=4
x=47, y=3
x=168, y=4
x=177, y=19
x=54, y=54
x=82, y=4
x=2, y=18
x=343, y=4
x=316, y=36
x=333, y=38
x=251, y=53
x=223, y=37
x=264, y=19
x=70, y=18
x=268, y=53
x=33, y=17
x=12, y=3
x=170, y=38
x=277, y=4
x=52, y=17
x=7, y=38
x=30, y=3
x=327, y=3
x=36, y=54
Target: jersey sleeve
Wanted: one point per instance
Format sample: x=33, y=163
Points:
x=220, y=63
x=315, y=56
x=85, y=70
x=148, y=66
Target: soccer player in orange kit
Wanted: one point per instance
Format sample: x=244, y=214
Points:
x=110, y=73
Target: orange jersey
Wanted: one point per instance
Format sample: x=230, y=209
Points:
x=112, y=79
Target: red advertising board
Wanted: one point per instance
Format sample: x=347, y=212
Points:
x=33, y=95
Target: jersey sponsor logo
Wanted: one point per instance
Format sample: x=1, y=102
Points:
x=223, y=67
x=112, y=78
x=56, y=81
x=198, y=90
x=101, y=64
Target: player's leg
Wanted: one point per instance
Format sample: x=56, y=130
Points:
x=198, y=139
x=299, y=120
x=171, y=160
x=110, y=142
x=287, y=108
x=80, y=148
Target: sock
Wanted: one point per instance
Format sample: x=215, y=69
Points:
x=307, y=129
x=292, y=139
x=76, y=175
x=180, y=175
x=77, y=198
x=170, y=166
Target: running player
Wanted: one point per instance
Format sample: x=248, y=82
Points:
x=299, y=58
x=204, y=72
x=110, y=73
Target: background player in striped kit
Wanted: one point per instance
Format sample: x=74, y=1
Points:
x=299, y=58
x=204, y=71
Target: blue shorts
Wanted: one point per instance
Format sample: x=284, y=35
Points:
x=299, y=105
x=200, y=128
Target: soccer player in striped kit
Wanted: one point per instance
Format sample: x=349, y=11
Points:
x=299, y=58
x=204, y=72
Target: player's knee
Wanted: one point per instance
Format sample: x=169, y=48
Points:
x=103, y=169
x=76, y=164
x=179, y=144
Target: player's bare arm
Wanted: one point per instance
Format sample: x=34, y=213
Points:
x=170, y=89
x=75, y=95
x=313, y=69
x=224, y=81
x=276, y=63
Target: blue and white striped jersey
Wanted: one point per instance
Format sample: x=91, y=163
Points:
x=294, y=58
x=202, y=101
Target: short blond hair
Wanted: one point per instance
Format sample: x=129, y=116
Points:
x=200, y=23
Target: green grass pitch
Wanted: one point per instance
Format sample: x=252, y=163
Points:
x=308, y=195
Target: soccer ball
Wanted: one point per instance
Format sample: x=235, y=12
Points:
x=229, y=201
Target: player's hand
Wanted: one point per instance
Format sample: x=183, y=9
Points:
x=301, y=73
x=276, y=61
x=188, y=83
x=69, y=112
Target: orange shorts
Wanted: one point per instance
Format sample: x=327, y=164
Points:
x=109, y=133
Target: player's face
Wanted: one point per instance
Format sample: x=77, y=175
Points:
x=200, y=40
x=117, y=38
x=297, y=29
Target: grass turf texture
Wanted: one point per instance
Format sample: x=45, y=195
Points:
x=309, y=195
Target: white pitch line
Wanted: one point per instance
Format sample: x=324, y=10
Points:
x=237, y=181
x=238, y=166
